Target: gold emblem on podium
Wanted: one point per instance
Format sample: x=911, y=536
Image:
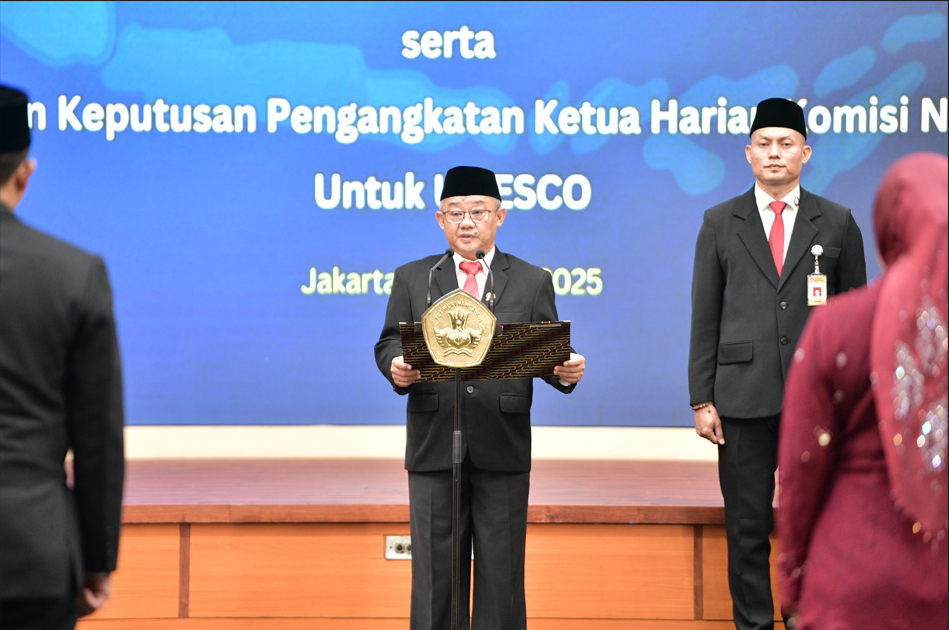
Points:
x=458, y=330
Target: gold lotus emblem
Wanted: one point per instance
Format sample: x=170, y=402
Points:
x=457, y=337
x=458, y=329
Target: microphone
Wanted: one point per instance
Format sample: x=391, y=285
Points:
x=428, y=296
x=480, y=255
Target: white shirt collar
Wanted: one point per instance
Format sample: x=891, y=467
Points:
x=792, y=199
x=488, y=258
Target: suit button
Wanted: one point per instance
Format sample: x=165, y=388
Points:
x=783, y=305
x=785, y=341
x=470, y=389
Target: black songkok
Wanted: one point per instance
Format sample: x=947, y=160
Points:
x=464, y=181
x=779, y=112
x=14, y=120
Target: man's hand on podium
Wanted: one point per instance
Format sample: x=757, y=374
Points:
x=402, y=373
x=571, y=371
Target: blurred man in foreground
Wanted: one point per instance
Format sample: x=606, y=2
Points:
x=60, y=390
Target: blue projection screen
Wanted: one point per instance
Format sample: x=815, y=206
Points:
x=253, y=173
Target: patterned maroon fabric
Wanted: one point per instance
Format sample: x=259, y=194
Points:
x=848, y=558
x=852, y=556
x=909, y=339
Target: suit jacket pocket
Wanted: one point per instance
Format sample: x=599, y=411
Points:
x=419, y=403
x=515, y=403
x=511, y=314
x=735, y=352
x=831, y=252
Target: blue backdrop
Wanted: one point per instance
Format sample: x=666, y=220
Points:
x=252, y=171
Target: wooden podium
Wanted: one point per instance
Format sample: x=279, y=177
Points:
x=517, y=351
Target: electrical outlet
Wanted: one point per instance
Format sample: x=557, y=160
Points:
x=398, y=547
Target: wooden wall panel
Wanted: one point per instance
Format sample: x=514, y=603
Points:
x=626, y=624
x=392, y=624
x=370, y=624
x=775, y=585
x=297, y=570
x=717, y=602
x=247, y=624
x=334, y=577
x=145, y=583
x=610, y=571
x=209, y=624
x=631, y=624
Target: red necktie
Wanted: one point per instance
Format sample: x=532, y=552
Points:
x=776, y=237
x=471, y=282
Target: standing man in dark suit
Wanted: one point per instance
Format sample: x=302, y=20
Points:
x=495, y=474
x=60, y=389
x=749, y=305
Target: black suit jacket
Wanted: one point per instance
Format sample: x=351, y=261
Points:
x=745, y=320
x=60, y=389
x=497, y=432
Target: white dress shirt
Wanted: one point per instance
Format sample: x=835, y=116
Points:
x=792, y=199
x=481, y=276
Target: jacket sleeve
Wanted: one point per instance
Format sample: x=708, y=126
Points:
x=544, y=309
x=806, y=462
x=852, y=266
x=389, y=345
x=708, y=287
x=95, y=421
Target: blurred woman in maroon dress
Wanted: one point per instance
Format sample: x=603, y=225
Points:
x=862, y=450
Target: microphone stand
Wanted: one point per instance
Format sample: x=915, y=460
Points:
x=428, y=296
x=456, y=459
x=490, y=302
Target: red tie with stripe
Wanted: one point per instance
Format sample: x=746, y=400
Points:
x=776, y=236
x=471, y=281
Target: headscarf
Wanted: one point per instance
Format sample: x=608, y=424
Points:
x=909, y=338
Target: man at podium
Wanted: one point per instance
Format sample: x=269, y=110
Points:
x=495, y=473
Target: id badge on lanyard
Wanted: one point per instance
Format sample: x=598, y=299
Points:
x=817, y=282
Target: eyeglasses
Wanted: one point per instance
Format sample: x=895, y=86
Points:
x=457, y=216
